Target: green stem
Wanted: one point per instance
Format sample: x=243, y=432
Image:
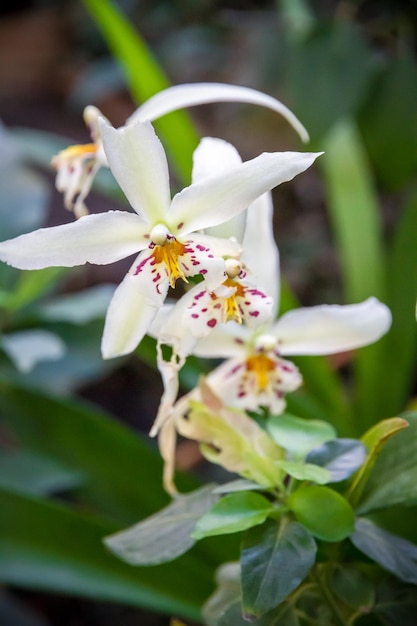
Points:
x=328, y=597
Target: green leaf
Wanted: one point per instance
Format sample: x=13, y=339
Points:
x=341, y=457
x=27, y=348
x=393, y=553
x=31, y=285
x=393, y=478
x=165, y=535
x=48, y=547
x=275, y=558
x=240, y=484
x=333, y=66
x=353, y=587
x=78, y=308
x=31, y=473
x=145, y=78
x=305, y=471
x=324, y=512
x=298, y=435
x=388, y=119
x=233, y=513
x=354, y=213
x=374, y=439
x=112, y=458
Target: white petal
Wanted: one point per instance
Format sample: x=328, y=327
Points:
x=188, y=95
x=100, y=238
x=329, y=329
x=212, y=157
x=217, y=199
x=260, y=252
x=228, y=340
x=219, y=246
x=128, y=319
x=138, y=162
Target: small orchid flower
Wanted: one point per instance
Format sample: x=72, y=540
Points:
x=255, y=373
x=163, y=231
x=78, y=165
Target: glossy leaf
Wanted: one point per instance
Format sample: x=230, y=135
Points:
x=275, y=558
x=341, y=457
x=306, y=471
x=393, y=553
x=324, y=512
x=298, y=435
x=233, y=513
x=240, y=484
x=78, y=308
x=45, y=546
x=165, y=535
x=374, y=439
x=27, y=348
x=393, y=478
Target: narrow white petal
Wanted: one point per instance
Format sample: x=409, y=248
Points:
x=100, y=238
x=329, y=329
x=128, y=319
x=138, y=162
x=217, y=199
x=260, y=252
x=213, y=157
x=188, y=95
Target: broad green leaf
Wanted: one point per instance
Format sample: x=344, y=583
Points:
x=45, y=546
x=240, y=484
x=393, y=553
x=333, y=66
x=352, y=586
x=27, y=348
x=233, y=513
x=341, y=457
x=324, y=512
x=145, y=78
x=354, y=213
x=305, y=471
x=225, y=603
x=165, y=535
x=78, y=308
x=393, y=478
x=298, y=435
x=396, y=604
x=374, y=439
x=275, y=558
x=31, y=473
x=114, y=461
x=31, y=285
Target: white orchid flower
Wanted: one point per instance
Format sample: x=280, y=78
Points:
x=78, y=165
x=255, y=373
x=160, y=228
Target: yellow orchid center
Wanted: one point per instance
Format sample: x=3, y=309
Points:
x=231, y=307
x=72, y=153
x=167, y=250
x=261, y=366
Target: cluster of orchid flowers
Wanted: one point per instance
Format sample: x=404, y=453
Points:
x=215, y=237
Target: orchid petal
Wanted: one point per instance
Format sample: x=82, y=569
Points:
x=100, y=238
x=199, y=259
x=217, y=199
x=219, y=246
x=128, y=318
x=212, y=157
x=225, y=341
x=260, y=252
x=167, y=441
x=329, y=329
x=188, y=95
x=138, y=162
